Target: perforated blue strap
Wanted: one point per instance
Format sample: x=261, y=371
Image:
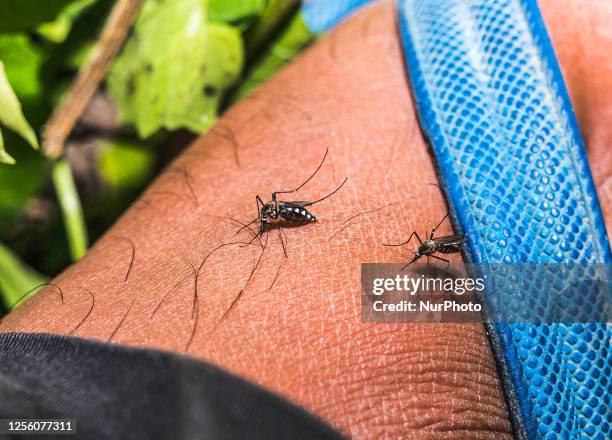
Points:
x=493, y=104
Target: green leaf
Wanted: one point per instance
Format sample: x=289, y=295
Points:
x=58, y=29
x=65, y=58
x=12, y=117
x=238, y=12
x=125, y=165
x=175, y=68
x=4, y=156
x=285, y=46
x=21, y=61
x=23, y=15
x=16, y=278
x=19, y=183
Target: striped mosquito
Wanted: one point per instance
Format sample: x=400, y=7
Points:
x=449, y=244
x=280, y=212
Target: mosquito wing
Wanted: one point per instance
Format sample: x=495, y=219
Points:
x=297, y=204
x=451, y=240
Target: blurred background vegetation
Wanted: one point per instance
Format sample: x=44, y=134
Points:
x=183, y=63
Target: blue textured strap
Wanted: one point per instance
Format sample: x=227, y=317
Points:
x=321, y=15
x=493, y=104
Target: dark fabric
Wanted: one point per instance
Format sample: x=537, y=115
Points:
x=116, y=392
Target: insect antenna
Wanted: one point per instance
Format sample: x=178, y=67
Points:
x=411, y=261
x=257, y=202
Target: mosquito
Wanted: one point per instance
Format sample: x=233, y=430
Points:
x=278, y=212
x=450, y=244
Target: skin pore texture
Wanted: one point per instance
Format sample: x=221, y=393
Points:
x=297, y=330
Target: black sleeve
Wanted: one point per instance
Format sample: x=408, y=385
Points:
x=116, y=392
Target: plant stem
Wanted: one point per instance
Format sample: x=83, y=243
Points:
x=88, y=79
x=72, y=212
x=275, y=13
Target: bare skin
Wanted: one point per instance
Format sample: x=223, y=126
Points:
x=303, y=338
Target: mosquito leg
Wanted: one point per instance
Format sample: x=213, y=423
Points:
x=442, y=259
x=256, y=264
x=328, y=195
x=259, y=233
x=280, y=235
x=256, y=236
x=437, y=226
x=417, y=236
x=284, y=236
x=244, y=225
x=305, y=182
x=276, y=276
x=405, y=242
x=237, y=298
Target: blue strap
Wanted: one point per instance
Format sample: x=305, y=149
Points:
x=322, y=15
x=493, y=104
